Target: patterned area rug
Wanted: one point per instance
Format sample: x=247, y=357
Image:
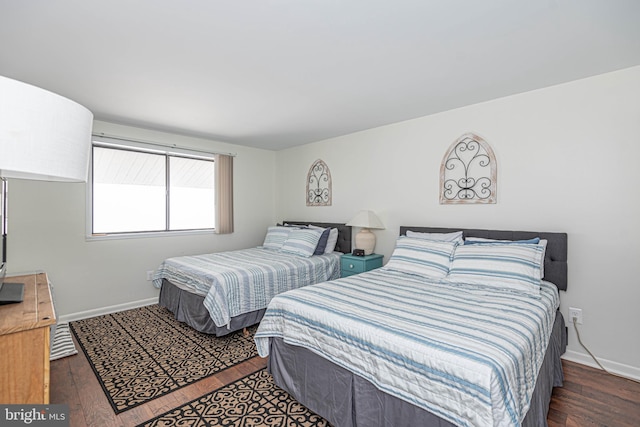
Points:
x=250, y=401
x=142, y=354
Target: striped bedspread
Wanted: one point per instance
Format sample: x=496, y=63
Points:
x=468, y=354
x=238, y=282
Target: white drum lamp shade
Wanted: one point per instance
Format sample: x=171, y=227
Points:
x=43, y=136
x=365, y=239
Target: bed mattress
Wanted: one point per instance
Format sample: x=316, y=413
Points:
x=348, y=400
x=189, y=308
x=468, y=354
x=235, y=283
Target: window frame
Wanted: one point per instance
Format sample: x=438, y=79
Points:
x=142, y=147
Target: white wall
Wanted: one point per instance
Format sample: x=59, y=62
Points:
x=47, y=231
x=568, y=160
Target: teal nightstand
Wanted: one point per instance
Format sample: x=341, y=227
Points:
x=350, y=265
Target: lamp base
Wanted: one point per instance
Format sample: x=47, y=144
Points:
x=366, y=240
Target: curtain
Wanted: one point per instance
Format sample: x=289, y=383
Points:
x=224, y=194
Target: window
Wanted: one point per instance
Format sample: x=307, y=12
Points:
x=136, y=190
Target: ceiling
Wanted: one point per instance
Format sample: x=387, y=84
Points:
x=279, y=73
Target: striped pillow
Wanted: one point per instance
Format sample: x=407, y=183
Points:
x=456, y=236
x=507, y=266
x=302, y=241
x=422, y=257
x=536, y=240
x=276, y=236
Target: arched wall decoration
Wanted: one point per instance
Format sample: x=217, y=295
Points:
x=468, y=173
x=319, y=184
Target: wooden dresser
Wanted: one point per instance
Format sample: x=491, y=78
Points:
x=25, y=343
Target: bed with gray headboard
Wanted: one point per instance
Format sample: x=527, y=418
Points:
x=190, y=308
x=331, y=388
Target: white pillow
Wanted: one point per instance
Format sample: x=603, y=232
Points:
x=456, y=236
x=543, y=244
x=302, y=241
x=423, y=257
x=276, y=236
x=332, y=241
x=505, y=266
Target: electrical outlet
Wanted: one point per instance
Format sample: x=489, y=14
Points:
x=150, y=275
x=575, y=313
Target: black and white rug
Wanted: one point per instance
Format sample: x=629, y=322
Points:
x=144, y=353
x=250, y=401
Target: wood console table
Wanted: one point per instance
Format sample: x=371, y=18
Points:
x=25, y=343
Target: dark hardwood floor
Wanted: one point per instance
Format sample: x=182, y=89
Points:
x=589, y=397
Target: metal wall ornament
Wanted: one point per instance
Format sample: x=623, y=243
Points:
x=319, y=184
x=468, y=173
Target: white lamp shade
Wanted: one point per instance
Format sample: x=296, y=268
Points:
x=366, y=219
x=43, y=136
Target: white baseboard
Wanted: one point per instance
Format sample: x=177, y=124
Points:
x=106, y=310
x=621, y=369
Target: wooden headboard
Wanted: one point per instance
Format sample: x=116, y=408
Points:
x=555, y=261
x=344, y=233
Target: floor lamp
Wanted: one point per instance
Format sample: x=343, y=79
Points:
x=43, y=136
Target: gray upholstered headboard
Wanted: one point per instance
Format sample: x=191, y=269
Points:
x=344, y=233
x=555, y=262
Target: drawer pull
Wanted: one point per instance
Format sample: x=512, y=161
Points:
x=350, y=265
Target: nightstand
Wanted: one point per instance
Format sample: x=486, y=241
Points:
x=350, y=265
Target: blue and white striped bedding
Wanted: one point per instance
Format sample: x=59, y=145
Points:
x=238, y=282
x=467, y=353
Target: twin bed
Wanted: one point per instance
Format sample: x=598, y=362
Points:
x=445, y=334
x=224, y=292
x=407, y=345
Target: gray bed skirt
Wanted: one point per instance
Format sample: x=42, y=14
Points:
x=347, y=400
x=189, y=308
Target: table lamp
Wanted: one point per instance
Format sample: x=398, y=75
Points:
x=365, y=239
